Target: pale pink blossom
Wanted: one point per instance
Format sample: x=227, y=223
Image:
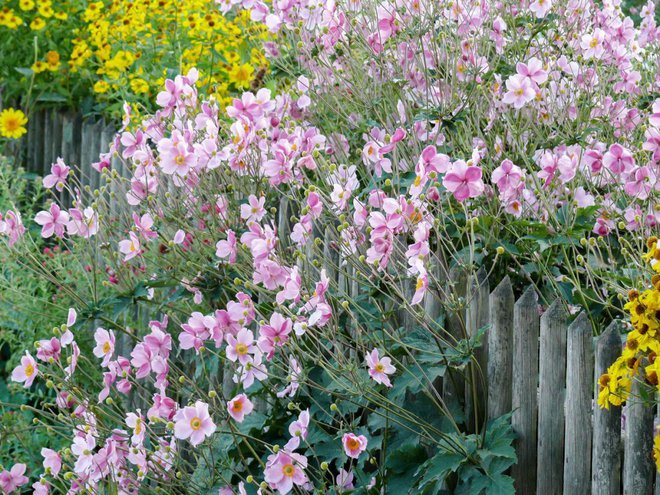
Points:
x=463, y=181
x=380, y=368
x=59, y=173
x=105, y=345
x=130, y=247
x=13, y=479
x=239, y=407
x=284, y=470
x=52, y=221
x=25, y=372
x=354, y=444
x=194, y=423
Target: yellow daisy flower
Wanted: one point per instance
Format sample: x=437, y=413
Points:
x=12, y=123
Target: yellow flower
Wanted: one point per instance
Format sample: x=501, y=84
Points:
x=62, y=16
x=139, y=86
x=46, y=10
x=38, y=67
x=37, y=24
x=53, y=60
x=26, y=5
x=656, y=450
x=101, y=87
x=12, y=123
x=241, y=75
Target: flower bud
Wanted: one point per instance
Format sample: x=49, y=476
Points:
x=499, y=250
x=324, y=466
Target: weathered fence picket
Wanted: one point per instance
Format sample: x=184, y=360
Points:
x=579, y=404
x=524, y=392
x=606, y=448
x=500, y=349
x=535, y=365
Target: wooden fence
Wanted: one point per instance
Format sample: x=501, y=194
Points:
x=538, y=365
x=79, y=141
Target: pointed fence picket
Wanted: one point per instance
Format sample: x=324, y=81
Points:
x=536, y=365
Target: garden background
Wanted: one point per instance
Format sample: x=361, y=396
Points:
x=338, y=247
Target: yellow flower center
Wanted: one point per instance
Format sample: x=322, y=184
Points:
x=29, y=370
x=241, y=349
x=106, y=347
x=179, y=160
x=353, y=443
x=288, y=470
x=195, y=423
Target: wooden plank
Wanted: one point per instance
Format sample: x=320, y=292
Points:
x=477, y=319
x=579, y=406
x=500, y=349
x=86, y=156
x=56, y=140
x=638, y=466
x=524, y=398
x=606, y=448
x=46, y=157
x=552, y=383
x=39, y=137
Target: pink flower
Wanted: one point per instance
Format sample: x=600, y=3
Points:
x=227, y=248
x=420, y=288
x=52, y=461
x=592, y=44
x=380, y=368
x=26, y=371
x=533, y=69
x=12, y=226
x=520, y=91
x=254, y=211
x=59, y=173
x=284, y=470
x=275, y=334
x=130, y=247
x=175, y=156
x=194, y=423
x=354, y=445
x=298, y=431
x=463, y=181
x=105, y=345
x=49, y=349
x=507, y=177
x=239, y=407
x=344, y=479
x=53, y=221
x=540, y=8
x=85, y=223
x=240, y=347
x=13, y=479
x=618, y=160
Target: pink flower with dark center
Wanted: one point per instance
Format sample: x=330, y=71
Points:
x=25, y=372
x=463, y=181
x=239, y=407
x=354, y=445
x=194, y=423
x=379, y=367
x=284, y=470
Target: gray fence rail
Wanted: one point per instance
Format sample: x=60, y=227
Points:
x=537, y=365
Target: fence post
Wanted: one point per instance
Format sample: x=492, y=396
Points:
x=552, y=383
x=56, y=140
x=524, y=389
x=638, y=466
x=579, y=407
x=606, y=449
x=477, y=318
x=500, y=348
x=70, y=146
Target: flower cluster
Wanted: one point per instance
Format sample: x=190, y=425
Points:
x=638, y=360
